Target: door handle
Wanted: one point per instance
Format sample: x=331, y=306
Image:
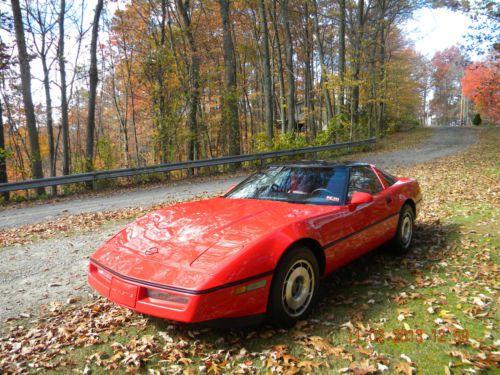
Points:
x=388, y=200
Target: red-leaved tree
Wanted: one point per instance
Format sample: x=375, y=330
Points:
x=481, y=84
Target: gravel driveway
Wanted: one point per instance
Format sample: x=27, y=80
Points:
x=138, y=197
x=54, y=269
x=443, y=142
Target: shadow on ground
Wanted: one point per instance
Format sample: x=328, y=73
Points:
x=360, y=292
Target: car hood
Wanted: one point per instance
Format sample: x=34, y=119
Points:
x=176, y=236
x=166, y=246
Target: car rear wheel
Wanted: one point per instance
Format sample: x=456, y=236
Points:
x=294, y=287
x=404, y=235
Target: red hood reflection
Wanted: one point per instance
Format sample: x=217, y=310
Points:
x=166, y=243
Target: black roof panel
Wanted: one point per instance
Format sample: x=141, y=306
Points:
x=320, y=163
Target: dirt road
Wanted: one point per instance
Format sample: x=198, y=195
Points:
x=54, y=269
x=443, y=142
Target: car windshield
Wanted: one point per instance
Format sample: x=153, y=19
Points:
x=295, y=184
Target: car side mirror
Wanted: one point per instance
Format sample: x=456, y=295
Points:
x=359, y=197
x=230, y=188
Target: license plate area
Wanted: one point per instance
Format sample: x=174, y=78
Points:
x=123, y=293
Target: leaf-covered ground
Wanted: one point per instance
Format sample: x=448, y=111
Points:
x=433, y=311
x=71, y=224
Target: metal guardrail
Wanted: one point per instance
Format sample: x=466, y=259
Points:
x=167, y=167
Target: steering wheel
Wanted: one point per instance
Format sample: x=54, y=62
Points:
x=275, y=188
x=321, y=190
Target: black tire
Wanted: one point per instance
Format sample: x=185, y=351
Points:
x=402, y=241
x=292, y=300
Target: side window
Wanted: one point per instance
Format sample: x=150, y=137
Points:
x=364, y=180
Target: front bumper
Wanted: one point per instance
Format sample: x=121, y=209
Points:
x=183, y=306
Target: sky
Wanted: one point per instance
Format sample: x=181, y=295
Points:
x=433, y=30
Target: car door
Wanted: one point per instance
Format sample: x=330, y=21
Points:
x=376, y=213
x=347, y=233
x=351, y=232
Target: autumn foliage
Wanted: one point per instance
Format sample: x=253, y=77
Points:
x=448, y=66
x=481, y=84
x=185, y=80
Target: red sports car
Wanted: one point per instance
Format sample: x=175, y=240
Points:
x=261, y=249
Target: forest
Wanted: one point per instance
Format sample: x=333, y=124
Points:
x=97, y=85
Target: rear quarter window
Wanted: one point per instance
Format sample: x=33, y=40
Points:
x=389, y=179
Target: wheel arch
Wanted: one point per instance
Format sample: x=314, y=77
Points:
x=315, y=248
x=412, y=204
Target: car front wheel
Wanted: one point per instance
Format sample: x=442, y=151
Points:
x=294, y=288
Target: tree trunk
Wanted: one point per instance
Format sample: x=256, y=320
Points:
x=50, y=121
x=162, y=124
x=372, y=95
x=132, y=108
x=324, y=77
x=42, y=47
x=267, y=80
x=230, y=117
x=381, y=83
x=281, y=78
x=289, y=66
x=342, y=56
x=64, y=99
x=121, y=115
x=424, y=106
x=194, y=81
x=24, y=65
x=356, y=69
x=93, y=80
x=308, y=79
x=3, y=163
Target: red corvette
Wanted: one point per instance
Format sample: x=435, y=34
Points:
x=259, y=250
